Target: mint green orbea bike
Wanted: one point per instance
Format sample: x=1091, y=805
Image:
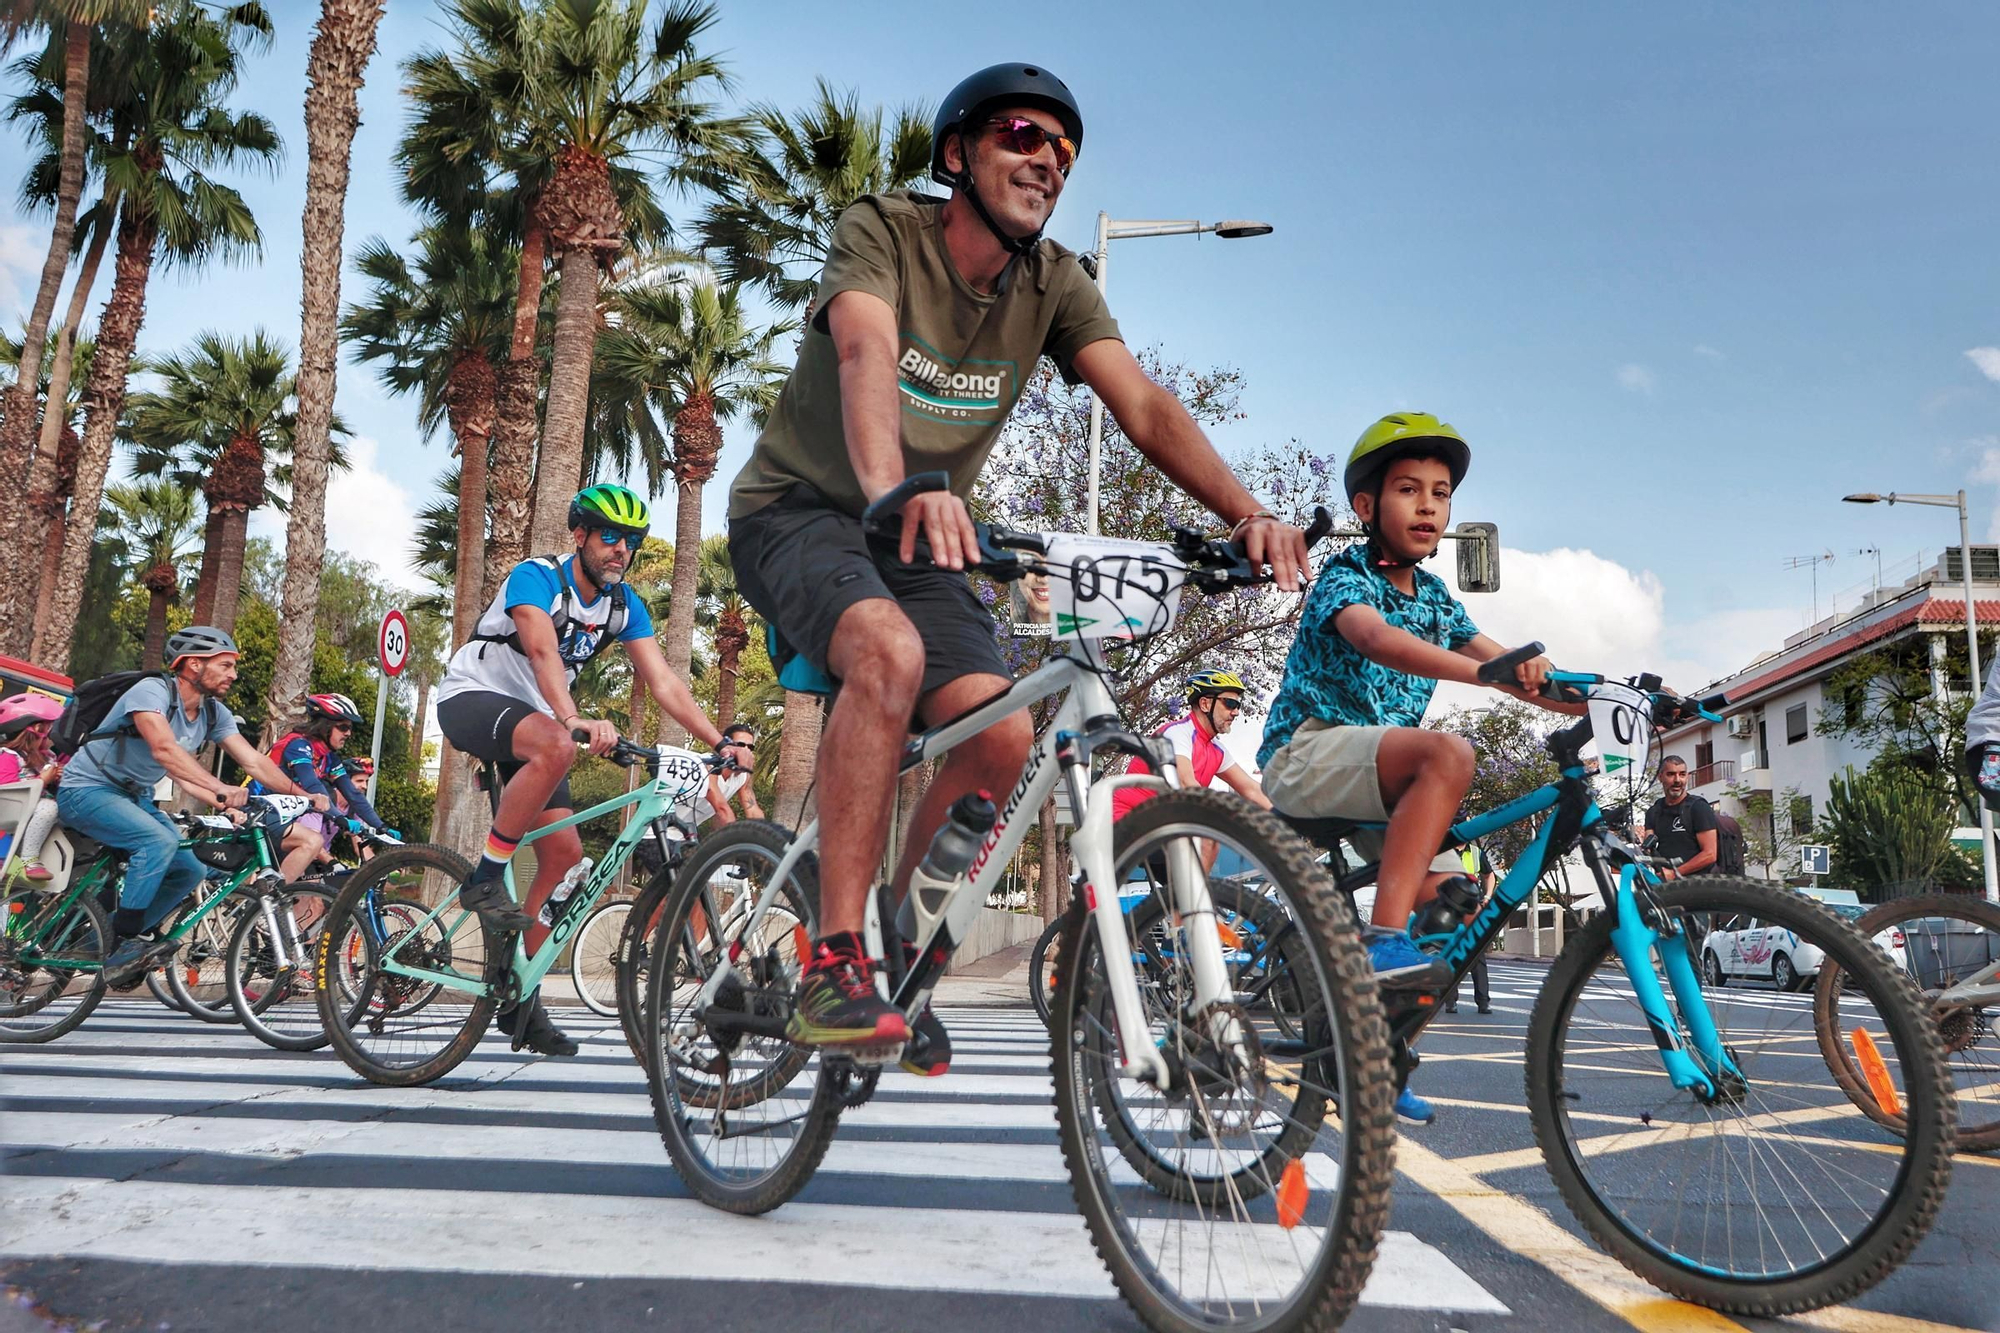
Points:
x=407, y=980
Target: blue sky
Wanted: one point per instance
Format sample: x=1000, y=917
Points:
x=1682, y=274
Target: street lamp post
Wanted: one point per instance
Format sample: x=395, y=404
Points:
x=1971, y=642
x=1109, y=230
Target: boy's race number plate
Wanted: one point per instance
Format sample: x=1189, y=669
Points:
x=1109, y=588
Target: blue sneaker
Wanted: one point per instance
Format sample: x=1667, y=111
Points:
x=1397, y=962
x=1414, y=1109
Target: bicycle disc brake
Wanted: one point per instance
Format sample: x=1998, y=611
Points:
x=1224, y=1075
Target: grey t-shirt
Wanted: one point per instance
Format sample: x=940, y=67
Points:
x=125, y=760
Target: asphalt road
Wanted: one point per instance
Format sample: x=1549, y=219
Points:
x=164, y=1174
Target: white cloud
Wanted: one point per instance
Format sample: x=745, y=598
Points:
x=1987, y=359
x=1703, y=349
x=21, y=256
x=368, y=516
x=1635, y=378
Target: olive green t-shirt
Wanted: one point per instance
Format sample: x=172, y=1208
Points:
x=962, y=358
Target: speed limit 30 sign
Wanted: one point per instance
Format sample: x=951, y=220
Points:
x=394, y=643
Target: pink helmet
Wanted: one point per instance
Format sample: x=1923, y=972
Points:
x=19, y=710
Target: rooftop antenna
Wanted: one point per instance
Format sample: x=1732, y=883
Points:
x=1875, y=551
x=1812, y=562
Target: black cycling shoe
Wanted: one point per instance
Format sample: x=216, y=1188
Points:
x=929, y=1053
x=496, y=907
x=135, y=957
x=537, y=1033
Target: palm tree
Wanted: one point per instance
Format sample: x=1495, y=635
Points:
x=63, y=69
x=55, y=455
x=156, y=520
x=342, y=45
x=225, y=404
x=437, y=327
x=732, y=622
x=692, y=355
x=168, y=127
x=772, y=228
x=566, y=100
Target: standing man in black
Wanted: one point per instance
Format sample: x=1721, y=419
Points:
x=1681, y=826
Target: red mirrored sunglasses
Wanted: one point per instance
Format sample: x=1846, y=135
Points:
x=1018, y=134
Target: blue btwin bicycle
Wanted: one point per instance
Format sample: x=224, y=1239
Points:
x=1744, y=1179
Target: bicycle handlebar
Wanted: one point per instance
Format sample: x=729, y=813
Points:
x=627, y=753
x=1669, y=709
x=1213, y=564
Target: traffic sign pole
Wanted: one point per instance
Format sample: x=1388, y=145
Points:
x=392, y=645
x=375, y=747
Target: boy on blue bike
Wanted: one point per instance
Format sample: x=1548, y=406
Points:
x=1345, y=738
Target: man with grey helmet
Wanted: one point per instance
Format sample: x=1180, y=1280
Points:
x=153, y=732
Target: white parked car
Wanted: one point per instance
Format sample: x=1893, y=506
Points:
x=1743, y=948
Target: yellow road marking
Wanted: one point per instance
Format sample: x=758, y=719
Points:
x=1528, y=1231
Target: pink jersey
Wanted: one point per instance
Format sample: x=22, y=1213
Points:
x=1201, y=749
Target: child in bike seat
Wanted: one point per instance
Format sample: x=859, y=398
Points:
x=1376, y=634
x=25, y=720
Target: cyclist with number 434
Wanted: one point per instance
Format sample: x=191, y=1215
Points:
x=930, y=315
x=506, y=698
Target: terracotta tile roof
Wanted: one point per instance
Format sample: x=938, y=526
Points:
x=1933, y=611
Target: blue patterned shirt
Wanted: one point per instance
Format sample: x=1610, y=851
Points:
x=1328, y=679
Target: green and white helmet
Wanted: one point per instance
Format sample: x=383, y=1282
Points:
x=609, y=506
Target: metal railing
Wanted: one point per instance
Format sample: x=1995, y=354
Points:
x=1722, y=770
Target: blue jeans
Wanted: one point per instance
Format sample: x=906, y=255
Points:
x=158, y=872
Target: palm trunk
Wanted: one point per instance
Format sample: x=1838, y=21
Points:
x=511, y=482
x=417, y=725
x=211, y=554
x=451, y=785
x=559, y=465
x=229, y=577
x=17, y=425
x=45, y=472
x=156, y=628
x=727, y=664
x=103, y=401
x=470, y=398
x=679, y=642
x=342, y=44
x=798, y=753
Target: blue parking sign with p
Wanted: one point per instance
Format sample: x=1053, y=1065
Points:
x=1816, y=860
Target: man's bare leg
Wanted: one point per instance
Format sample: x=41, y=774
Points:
x=990, y=762
x=879, y=660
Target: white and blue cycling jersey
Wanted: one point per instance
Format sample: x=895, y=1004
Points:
x=492, y=659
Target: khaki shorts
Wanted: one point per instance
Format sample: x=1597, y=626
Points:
x=1328, y=772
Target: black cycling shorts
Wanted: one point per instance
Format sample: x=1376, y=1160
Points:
x=482, y=722
x=801, y=563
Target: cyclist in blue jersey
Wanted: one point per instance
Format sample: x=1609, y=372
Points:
x=506, y=697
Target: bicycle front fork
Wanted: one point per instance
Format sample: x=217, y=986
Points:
x=1640, y=934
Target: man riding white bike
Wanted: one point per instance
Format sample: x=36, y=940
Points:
x=931, y=314
x=506, y=698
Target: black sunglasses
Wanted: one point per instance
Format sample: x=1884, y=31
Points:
x=1018, y=134
x=1234, y=705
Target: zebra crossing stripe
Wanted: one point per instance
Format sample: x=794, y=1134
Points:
x=137, y=1133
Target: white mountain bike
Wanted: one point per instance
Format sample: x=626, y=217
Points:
x=1229, y=1140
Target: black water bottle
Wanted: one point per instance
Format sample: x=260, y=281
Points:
x=1457, y=898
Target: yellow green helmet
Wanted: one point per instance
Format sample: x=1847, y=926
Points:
x=1399, y=435
x=610, y=506
x=1213, y=681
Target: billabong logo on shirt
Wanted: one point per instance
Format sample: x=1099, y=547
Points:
x=970, y=391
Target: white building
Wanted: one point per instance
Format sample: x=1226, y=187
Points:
x=1772, y=739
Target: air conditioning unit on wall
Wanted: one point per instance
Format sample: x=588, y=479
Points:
x=1743, y=726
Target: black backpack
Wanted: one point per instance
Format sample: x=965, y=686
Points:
x=1728, y=846
x=567, y=619
x=83, y=716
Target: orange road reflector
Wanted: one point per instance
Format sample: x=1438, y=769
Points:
x=1876, y=1071
x=1292, y=1191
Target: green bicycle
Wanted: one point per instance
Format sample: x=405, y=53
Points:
x=407, y=980
x=54, y=937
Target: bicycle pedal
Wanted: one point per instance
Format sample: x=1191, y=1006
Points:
x=875, y=1057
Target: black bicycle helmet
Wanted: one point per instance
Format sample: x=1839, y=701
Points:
x=198, y=641
x=996, y=86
